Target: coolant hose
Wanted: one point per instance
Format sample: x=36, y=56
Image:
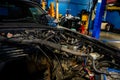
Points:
x=94, y=67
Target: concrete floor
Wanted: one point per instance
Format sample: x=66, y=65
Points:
x=111, y=38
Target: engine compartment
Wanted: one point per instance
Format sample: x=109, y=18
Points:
x=59, y=54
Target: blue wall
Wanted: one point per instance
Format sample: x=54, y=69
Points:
x=75, y=6
x=114, y=18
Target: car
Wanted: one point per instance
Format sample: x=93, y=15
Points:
x=32, y=50
x=24, y=11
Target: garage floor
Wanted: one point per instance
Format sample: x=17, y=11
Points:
x=112, y=38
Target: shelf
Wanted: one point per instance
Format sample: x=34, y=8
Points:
x=112, y=8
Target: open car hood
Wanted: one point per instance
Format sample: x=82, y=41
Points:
x=49, y=47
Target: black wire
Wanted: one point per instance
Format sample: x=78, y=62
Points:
x=45, y=55
x=60, y=66
x=94, y=66
x=108, y=62
x=50, y=60
x=49, y=37
x=58, y=62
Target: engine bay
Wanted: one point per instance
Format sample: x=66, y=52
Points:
x=60, y=54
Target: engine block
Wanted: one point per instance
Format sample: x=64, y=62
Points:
x=59, y=54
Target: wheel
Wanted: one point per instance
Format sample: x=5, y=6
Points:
x=108, y=27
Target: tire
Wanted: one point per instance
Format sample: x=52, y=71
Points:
x=108, y=27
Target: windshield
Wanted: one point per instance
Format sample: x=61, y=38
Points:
x=19, y=11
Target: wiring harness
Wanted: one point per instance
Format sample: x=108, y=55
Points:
x=64, y=54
